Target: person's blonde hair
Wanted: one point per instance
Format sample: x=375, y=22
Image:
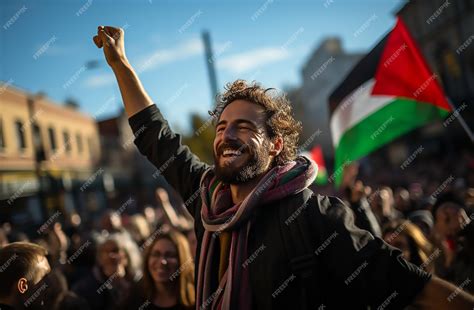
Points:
x=185, y=276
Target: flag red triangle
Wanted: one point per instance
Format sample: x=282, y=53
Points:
x=403, y=72
x=317, y=156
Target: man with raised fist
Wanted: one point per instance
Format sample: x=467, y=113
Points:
x=265, y=240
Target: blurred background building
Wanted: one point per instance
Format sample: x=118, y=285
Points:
x=56, y=158
x=129, y=172
x=321, y=73
x=47, y=152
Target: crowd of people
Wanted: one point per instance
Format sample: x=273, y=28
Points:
x=127, y=261
x=436, y=234
x=146, y=260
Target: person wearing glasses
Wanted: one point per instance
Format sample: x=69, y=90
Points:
x=168, y=275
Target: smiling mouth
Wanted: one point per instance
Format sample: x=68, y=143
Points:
x=230, y=153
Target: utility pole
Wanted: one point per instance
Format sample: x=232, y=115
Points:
x=210, y=61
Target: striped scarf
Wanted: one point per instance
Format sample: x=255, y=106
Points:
x=219, y=215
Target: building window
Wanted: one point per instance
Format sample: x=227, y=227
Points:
x=20, y=135
x=90, y=144
x=52, y=138
x=67, y=142
x=79, y=142
x=2, y=137
x=38, y=143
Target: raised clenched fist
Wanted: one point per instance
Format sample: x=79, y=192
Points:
x=111, y=39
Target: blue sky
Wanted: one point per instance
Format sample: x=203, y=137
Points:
x=44, y=45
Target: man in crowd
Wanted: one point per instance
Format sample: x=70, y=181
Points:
x=265, y=241
x=23, y=266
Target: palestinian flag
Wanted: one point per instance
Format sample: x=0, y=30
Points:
x=316, y=154
x=390, y=92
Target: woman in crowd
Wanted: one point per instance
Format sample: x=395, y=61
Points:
x=168, y=275
x=110, y=281
x=111, y=223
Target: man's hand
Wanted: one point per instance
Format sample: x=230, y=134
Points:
x=111, y=39
x=134, y=96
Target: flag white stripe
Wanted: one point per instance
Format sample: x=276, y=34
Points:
x=358, y=105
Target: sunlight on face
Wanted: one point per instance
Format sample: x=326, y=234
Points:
x=241, y=145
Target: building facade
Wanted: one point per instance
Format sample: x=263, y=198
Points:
x=47, y=151
x=323, y=71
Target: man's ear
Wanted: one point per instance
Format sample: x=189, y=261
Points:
x=22, y=285
x=277, y=146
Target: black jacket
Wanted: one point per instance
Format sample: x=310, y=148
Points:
x=347, y=268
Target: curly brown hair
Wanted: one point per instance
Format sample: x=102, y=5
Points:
x=279, y=115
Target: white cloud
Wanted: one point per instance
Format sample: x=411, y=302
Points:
x=160, y=57
x=60, y=50
x=100, y=80
x=252, y=60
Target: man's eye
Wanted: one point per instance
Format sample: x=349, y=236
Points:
x=219, y=129
x=244, y=128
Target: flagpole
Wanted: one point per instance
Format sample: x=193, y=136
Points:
x=461, y=120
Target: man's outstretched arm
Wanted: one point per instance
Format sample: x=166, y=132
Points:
x=153, y=137
x=439, y=294
x=368, y=271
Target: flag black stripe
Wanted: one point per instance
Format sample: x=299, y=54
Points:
x=361, y=73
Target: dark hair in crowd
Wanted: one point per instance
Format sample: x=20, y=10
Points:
x=18, y=260
x=280, y=121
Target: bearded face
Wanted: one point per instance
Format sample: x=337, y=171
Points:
x=241, y=147
x=237, y=162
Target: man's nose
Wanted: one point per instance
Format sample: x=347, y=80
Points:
x=229, y=133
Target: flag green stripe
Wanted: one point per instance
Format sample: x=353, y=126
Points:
x=322, y=177
x=396, y=118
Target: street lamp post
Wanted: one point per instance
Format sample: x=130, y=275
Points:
x=38, y=150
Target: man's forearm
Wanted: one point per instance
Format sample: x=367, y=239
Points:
x=134, y=96
x=439, y=294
